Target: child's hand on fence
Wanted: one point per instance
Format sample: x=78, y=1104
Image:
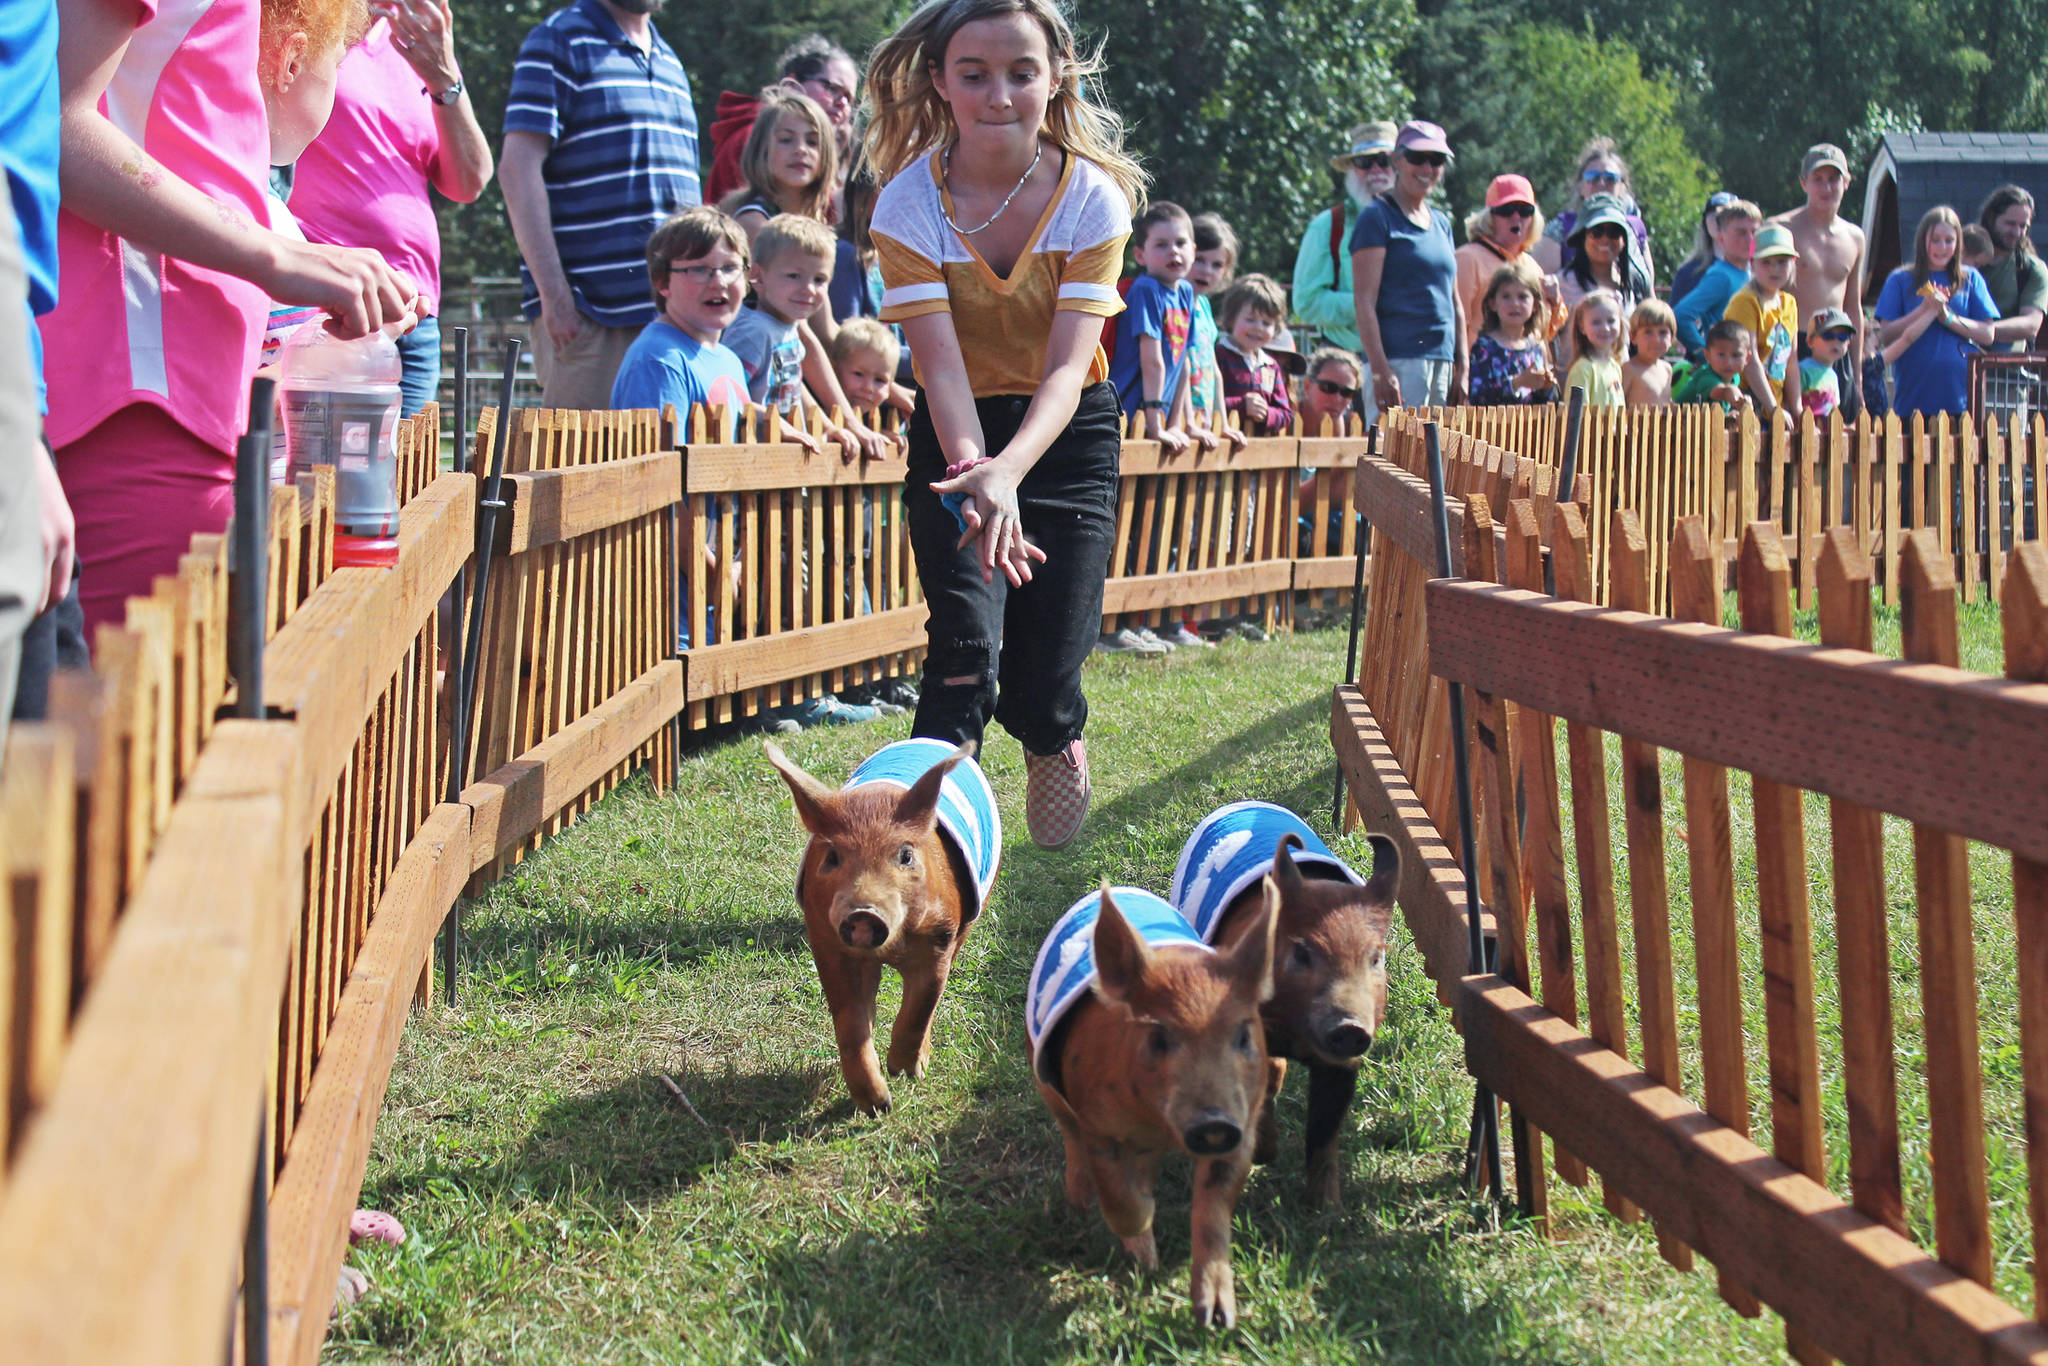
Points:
x=989, y=512
x=848, y=441
x=1235, y=436
x=873, y=445
x=797, y=436
x=1203, y=438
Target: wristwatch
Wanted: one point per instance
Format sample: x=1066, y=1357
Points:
x=450, y=95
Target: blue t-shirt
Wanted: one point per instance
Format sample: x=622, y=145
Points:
x=29, y=129
x=773, y=354
x=1152, y=309
x=1703, y=306
x=1418, y=281
x=667, y=365
x=1933, y=376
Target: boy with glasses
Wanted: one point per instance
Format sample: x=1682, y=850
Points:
x=697, y=264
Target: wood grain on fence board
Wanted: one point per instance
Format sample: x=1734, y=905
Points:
x=2026, y=657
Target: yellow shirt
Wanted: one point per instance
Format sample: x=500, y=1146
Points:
x=1600, y=378
x=1070, y=263
x=1775, y=328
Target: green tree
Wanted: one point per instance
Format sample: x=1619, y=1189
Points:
x=1236, y=106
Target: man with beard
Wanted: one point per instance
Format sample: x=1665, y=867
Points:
x=1830, y=254
x=2018, y=280
x=1322, y=268
x=600, y=149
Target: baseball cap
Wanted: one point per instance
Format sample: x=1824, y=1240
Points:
x=1509, y=189
x=1366, y=139
x=1420, y=135
x=1823, y=154
x=1773, y=239
x=1826, y=319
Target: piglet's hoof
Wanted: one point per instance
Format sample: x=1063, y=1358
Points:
x=1215, y=1297
x=1324, y=1189
x=874, y=1105
x=912, y=1066
x=1144, y=1249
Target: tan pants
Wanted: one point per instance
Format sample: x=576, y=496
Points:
x=580, y=374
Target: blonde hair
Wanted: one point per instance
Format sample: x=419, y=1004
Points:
x=1652, y=313
x=1741, y=208
x=689, y=235
x=1520, y=271
x=813, y=200
x=1331, y=355
x=324, y=22
x=1479, y=225
x=1259, y=292
x=1583, y=348
x=866, y=334
x=907, y=117
x=793, y=232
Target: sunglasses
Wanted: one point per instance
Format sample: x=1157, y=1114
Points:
x=1375, y=161
x=1515, y=211
x=1347, y=392
x=1601, y=178
x=1839, y=334
x=1611, y=231
x=1425, y=158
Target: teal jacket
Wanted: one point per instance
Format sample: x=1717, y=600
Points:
x=1322, y=286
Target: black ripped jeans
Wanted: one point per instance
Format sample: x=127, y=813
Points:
x=1024, y=646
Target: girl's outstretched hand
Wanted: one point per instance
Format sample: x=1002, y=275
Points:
x=989, y=512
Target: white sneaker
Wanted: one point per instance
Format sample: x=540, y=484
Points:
x=1146, y=634
x=1128, y=642
x=1181, y=635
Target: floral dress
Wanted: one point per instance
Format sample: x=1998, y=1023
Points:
x=1495, y=366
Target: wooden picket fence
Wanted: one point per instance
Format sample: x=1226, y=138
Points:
x=1957, y=756
x=1977, y=486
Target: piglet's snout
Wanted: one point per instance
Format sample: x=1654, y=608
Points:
x=862, y=927
x=1349, y=1039
x=1212, y=1134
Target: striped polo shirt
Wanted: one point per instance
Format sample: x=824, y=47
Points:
x=624, y=154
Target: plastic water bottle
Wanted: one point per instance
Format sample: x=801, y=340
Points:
x=341, y=401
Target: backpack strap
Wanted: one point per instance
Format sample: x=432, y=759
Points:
x=1336, y=242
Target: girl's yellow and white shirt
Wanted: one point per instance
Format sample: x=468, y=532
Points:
x=1071, y=263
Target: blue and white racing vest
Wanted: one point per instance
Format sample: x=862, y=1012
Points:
x=1065, y=970
x=1233, y=848
x=968, y=818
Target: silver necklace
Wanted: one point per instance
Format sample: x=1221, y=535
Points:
x=946, y=172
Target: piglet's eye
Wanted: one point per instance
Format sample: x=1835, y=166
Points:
x=831, y=859
x=1301, y=956
x=1244, y=1037
x=906, y=856
x=1379, y=958
x=1159, y=1041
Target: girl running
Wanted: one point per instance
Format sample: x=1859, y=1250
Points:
x=1001, y=228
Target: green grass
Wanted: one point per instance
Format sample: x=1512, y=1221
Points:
x=564, y=1207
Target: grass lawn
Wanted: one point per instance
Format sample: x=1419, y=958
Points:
x=564, y=1207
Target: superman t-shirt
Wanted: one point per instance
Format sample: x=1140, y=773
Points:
x=1158, y=310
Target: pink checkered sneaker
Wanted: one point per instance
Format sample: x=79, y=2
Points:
x=1056, y=795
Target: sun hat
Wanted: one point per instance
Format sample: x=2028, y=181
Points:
x=1599, y=210
x=1510, y=189
x=1420, y=135
x=1773, y=239
x=1366, y=139
x=1823, y=154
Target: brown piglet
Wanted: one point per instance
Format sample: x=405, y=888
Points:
x=1152, y=1048
x=1329, y=990
x=881, y=885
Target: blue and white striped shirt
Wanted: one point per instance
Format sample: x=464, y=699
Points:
x=624, y=154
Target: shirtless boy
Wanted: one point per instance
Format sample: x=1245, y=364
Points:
x=1830, y=273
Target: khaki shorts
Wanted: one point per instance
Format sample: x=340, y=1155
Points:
x=580, y=374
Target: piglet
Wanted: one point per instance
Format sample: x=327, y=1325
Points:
x=1145, y=1042
x=899, y=865
x=1329, y=956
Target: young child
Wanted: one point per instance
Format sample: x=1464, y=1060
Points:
x=1211, y=273
x=1014, y=415
x=697, y=265
x=1718, y=378
x=1150, y=371
x=865, y=354
x=790, y=163
x=1735, y=228
x=1978, y=248
x=1597, y=349
x=1770, y=311
x=1828, y=335
x=791, y=271
x=1646, y=378
x=1254, y=385
x=1329, y=391
x=1510, y=363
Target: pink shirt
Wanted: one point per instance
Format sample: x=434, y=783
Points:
x=132, y=326
x=364, y=181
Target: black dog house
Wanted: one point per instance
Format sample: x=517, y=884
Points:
x=1913, y=172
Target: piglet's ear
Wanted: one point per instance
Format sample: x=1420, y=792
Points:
x=817, y=806
x=1122, y=961
x=1251, y=962
x=919, y=805
x=1386, y=871
x=1285, y=873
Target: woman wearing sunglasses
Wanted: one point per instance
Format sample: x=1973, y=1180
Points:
x=1500, y=234
x=1604, y=257
x=1322, y=267
x=1601, y=171
x=1404, y=274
